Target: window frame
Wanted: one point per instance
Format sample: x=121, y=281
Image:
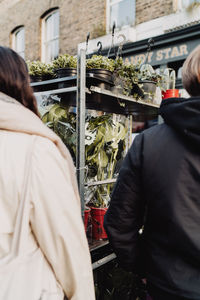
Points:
x=108, y=6
x=14, y=34
x=43, y=33
x=184, y=4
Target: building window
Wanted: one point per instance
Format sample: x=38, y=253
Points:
x=18, y=41
x=50, y=36
x=120, y=12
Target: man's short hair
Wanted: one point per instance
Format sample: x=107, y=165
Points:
x=191, y=73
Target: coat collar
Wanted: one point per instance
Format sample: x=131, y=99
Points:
x=17, y=118
x=183, y=114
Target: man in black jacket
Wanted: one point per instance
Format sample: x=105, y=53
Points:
x=159, y=188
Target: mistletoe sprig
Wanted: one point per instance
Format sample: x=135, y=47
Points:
x=65, y=61
x=100, y=62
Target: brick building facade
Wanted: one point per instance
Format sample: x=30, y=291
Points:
x=77, y=18
x=152, y=9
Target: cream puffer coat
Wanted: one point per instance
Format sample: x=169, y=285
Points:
x=55, y=218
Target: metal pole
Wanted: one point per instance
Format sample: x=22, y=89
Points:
x=80, y=126
x=130, y=128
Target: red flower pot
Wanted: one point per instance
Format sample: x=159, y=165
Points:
x=173, y=93
x=97, y=217
x=86, y=217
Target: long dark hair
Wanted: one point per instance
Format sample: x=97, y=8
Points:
x=14, y=79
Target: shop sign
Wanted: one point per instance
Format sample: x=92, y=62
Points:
x=164, y=55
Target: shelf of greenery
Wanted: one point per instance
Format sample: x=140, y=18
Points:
x=106, y=135
x=107, y=101
x=68, y=81
x=51, y=84
x=50, y=81
x=105, y=145
x=122, y=97
x=116, y=100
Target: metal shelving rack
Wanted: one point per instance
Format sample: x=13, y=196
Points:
x=95, y=98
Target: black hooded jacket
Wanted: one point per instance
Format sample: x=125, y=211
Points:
x=159, y=181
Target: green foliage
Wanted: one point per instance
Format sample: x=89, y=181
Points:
x=104, y=147
x=65, y=61
x=62, y=123
x=131, y=76
x=34, y=68
x=103, y=154
x=146, y=72
x=128, y=73
x=48, y=70
x=100, y=62
x=38, y=68
x=118, y=64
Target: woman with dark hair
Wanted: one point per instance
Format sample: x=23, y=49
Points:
x=14, y=79
x=41, y=187
x=158, y=189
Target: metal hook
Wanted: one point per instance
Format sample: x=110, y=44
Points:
x=119, y=51
x=150, y=43
x=87, y=38
x=112, y=43
x=113, y=29
x=99, y=44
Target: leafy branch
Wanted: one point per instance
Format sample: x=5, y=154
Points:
x=104, y=147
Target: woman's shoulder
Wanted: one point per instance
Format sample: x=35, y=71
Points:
x=23, y=140
x=44, y=144
x=46, y=149
x=18, y=143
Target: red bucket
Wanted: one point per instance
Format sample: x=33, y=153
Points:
x=173, y=93
x=86, y=217
x=97, y=216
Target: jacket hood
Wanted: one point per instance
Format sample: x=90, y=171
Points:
x=183, y=114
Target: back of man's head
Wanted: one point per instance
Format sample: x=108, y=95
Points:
x=191, y=73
